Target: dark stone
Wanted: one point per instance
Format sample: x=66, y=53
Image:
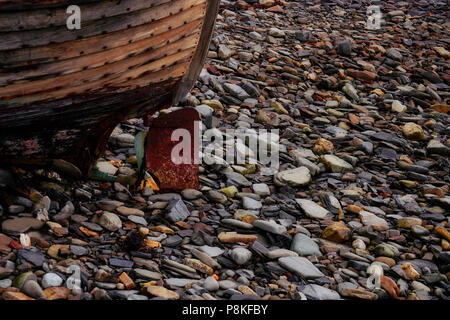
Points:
x=79, y=250
x=36, y=258
x=177, y=210
x=303, y=35
x=120, y=263
x=344, y=48
x=172, y=241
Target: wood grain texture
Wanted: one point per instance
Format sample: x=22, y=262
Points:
x=108, y=67
x=27, y=57
x=42, y=37
x=43, y=18
x=78, y=64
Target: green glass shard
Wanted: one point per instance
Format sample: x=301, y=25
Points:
x=139, y=146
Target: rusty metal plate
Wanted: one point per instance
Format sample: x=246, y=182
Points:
x=159, y=147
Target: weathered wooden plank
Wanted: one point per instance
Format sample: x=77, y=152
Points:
x=24, y=5
x=42, y=37
x=54, y=69
x=106, y=71
x=114, y=83
x=70, y=109
x=171, y=72
x=43, y=18
x=61, y=51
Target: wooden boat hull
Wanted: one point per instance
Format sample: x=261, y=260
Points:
x=62, y=91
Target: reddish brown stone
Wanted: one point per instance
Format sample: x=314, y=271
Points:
x=4, y=243
x=127, y=281
x=359, y=293
x=443, y=232
x=353, y=209
x=129, y=225
x=436, y=191
x=390, y=286
x=9, y=295
x=362, y=75
x=39, y=242
x=9, y=289
x=276, y=9
x=54, y=293
x=389, y=261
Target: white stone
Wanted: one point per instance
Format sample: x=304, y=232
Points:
x=336, y=164
x=240, y=255
x=110, y=221
x=398, y=107
x=224, y=52
x=106, y=167
x=261, y=188
x=369, y=219
x=251, y=204
x=312, y=209
x=294, y=177
x=51, y=280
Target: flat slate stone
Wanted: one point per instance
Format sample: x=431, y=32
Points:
x=317, y=292
x=312, y=209
x=305, y=246
x=177, y=210
x=270, y=226
x=21, y=225
x=138, y=220
x=179, y=282
x=121, y=263
x=301, y=266
x=36, y=258
x=147, y=274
